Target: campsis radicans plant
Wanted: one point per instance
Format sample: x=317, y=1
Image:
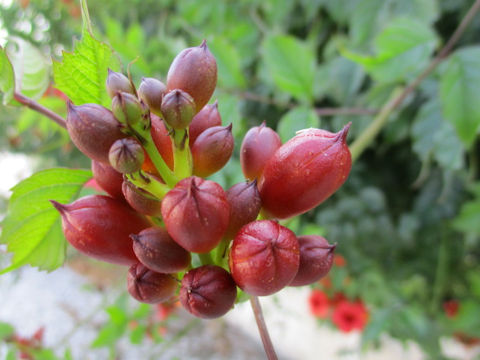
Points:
x=184, y=236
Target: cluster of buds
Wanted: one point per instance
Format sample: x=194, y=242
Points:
x=181, y=234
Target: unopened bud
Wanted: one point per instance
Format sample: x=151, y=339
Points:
x=117, y=82
x=178, y=109
x=126, y=156
x=151, y=91
x=126, y=108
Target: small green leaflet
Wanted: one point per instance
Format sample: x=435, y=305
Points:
x=7, y=78
x=32, y=227
x=292, y=65
x=403, y=49
x=459, y=91
x=82, y=73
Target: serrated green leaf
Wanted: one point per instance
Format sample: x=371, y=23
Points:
x=230, y=73
x=403, y=50
x=297, y=119
x=291, y=64
x=459, y=89
x=6, y=330
x=7, y=78
x=82, y=73
x=31, y=68
x=32, y=227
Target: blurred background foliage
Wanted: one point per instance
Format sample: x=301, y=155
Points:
x=408, y=219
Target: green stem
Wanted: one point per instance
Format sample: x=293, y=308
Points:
x=440, y=274
x=182, y=157
x=167, y=175
x=222, y=251
x=206, y=259
x=148, y=183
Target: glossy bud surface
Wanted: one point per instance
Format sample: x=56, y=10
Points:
x=148, y=286
x=141, y=200
x=126, y=108
x=126, y=155
x=206, y=118
x=117, y=82
x=108, y=179
x=151, y=91
x=178, y=109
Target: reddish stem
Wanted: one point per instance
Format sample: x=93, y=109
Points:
x=32, y=104
x=262, y=328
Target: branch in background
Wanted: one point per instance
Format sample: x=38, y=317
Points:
x=367, y=136
x=262, y=328
x=32, y=104
x=327, y=111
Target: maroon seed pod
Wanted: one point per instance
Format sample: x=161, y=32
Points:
x=140, y=200
x=156, y=250
x=304, y=172
x=108, y=179
x=148, y=286
x=211, y=150
x=258, y=146
x=93, y=129
x=264, y=257
x=206, y=118
x=117, y=82
x=126, y=155
x=208, y=292
x=178, y=109
x=196, y=214
x=194, y=71
x=316, y=259
x=126, y=108
x=151, y=91
x=245, y=204
x=100, y=227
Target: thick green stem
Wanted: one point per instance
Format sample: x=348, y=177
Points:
x=167, y=175
x=148, y=183
x=206, y=259
x=182, y=157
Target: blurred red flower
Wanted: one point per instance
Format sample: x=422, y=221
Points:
x=348, y=316
x=337, y=298
x=319, y=304
x=451, y=307
x=163, y=310
x=339, y=260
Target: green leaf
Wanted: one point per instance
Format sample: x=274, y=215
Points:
x=7, y=78
x=297, y=119
x=403, y=50
x=230, y=73
x=291, y=64
x=433, y=136
x=6, y=330
x=138, y=334
x=31, y=68
x=32, y=227
x=459, y=89
x=468, y=220
x=82, y=73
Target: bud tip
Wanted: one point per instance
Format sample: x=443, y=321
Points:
x=60, y=207
x=203, y=45
x=342, y=134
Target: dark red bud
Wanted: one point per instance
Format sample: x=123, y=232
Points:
x=206, y=118
x=258, y=146
x=148, y=286
x=264, y=257
x=108, y=179
x=316, y=259
x=194, y=71
x=156, y=250
x=126, y=155
x=304, y=172
x=208, y=292
x=100, y=227
x=245, y=204
x=151, y=91
x=212, y=149
x=178, y=109
x=93, y=129
x=196, y=213
x=141, y=200
x=162, y=140
x=117, y=82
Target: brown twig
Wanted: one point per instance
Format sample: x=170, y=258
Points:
x=366, y=137
x=32, y=104
x=262, y=328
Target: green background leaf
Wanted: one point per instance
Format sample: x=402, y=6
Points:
x=32, y=228
x=297, y=119
x=230, y=73
x=82, y=74
x=459, y=92
x=7, y=78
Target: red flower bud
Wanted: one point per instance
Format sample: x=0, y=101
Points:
x=206, y=118
x=140, y=200
x=93, y=129
x=126, y=155
x=108, y=179
x=151, y=91
x=156, y=250
x=194, y=71
x=258, y=146
x=316, y=259
x=117, y=82
x=245, y=204
x=304, y=172
x=100, y=226
x=196, y=214
x=178, y=109
x=162, y=140
x=126, y=108
x=212, y=149
x=148, y=286
x=208, y=292
x=264, y=257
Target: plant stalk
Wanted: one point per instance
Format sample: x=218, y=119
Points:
x=182, y=157
x=262, y=328
x=32, y=104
